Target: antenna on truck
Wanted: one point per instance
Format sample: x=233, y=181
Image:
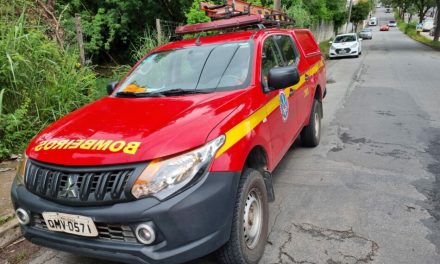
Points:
x=236, y=14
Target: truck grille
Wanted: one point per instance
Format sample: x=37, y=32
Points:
x=78, y=185
x=114, y=232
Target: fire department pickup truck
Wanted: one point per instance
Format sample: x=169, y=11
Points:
x=176, y=162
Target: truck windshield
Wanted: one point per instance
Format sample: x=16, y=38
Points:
x=194, y=69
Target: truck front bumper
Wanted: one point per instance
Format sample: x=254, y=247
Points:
x=189, y=225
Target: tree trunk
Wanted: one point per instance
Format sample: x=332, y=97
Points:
x=421, y=16
x=437, y=28
x=410, y=18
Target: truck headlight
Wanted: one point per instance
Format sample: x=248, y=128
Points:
x=21, y=170
x=163, y=177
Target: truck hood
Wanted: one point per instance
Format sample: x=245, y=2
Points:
x=123, y=130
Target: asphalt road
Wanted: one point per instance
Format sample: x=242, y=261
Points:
x=370, y=193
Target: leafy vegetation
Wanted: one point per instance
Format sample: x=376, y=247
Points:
x=111, y=26
x=410, y=30
x=421, y=7
x=325, y=47
x=360, y=12
x=40, y=82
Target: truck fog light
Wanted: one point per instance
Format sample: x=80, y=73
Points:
x=145, y=234
x=22, y=216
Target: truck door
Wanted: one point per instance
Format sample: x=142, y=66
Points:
x=281, y=119
x=311, y=55
x=290, y=54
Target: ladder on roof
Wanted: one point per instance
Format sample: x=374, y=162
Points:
x=232, y=8
x=236, y=14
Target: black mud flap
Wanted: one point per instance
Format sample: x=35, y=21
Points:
x=269, y=186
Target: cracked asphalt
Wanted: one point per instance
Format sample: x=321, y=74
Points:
x=370, y=193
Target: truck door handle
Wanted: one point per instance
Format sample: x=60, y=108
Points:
x=291, y=92
x=307, y=77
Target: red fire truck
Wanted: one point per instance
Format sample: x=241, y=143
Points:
x=177, y=161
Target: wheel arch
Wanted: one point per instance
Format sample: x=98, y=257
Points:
x=318, y=93
x=257, y=159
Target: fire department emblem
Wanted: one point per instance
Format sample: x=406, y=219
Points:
x=284, y=106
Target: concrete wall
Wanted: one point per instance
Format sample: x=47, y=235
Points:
x=323, y=31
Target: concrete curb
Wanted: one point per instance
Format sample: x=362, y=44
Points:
x=9, y=232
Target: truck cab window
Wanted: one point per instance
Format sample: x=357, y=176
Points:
x=287, y=48
x=271, y=58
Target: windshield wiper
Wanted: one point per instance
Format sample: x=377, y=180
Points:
x=179, y=91
x=164, y=93
x=134, y=94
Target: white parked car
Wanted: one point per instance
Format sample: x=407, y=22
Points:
x=346, y=45
x=372, y=21
x=366, y=33
x=392, y=23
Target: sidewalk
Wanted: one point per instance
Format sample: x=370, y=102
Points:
x=426, y=35
x=20, y=250
x=7, y=174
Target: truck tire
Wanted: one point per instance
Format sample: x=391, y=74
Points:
x=311, y=134
x=250, y=222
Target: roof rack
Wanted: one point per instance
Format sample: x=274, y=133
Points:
x=236, y=14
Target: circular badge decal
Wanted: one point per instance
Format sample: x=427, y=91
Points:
x=284, y=105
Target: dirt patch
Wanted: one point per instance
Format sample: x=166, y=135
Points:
x=18, y=253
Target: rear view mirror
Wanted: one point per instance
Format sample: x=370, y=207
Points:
x=111, y=87
x=330, y=42
x=283, y=77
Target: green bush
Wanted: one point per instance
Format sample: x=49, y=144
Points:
x=41, y=83
x=147, y=42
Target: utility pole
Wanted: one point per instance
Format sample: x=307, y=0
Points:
x=349, y=15
x=277, y=5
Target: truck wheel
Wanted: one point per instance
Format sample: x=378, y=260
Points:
x=250, y=222
x=311, y=134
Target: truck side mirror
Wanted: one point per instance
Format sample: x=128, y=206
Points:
x=111, y=87
x=283, y=77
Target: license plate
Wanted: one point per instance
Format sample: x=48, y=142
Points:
x=72, y=224
x=342, y=52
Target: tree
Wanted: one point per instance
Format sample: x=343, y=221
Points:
x=423, y=6
x=195, y=15
x=111, y=26
x=360, y=12
x=404, y=6
x=437, y=28
x=301, y=15
x=412, y=10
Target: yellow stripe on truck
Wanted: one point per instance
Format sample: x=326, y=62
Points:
x=243, y=128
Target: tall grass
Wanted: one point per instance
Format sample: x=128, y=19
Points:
x=146, y=43
x=39, y=81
